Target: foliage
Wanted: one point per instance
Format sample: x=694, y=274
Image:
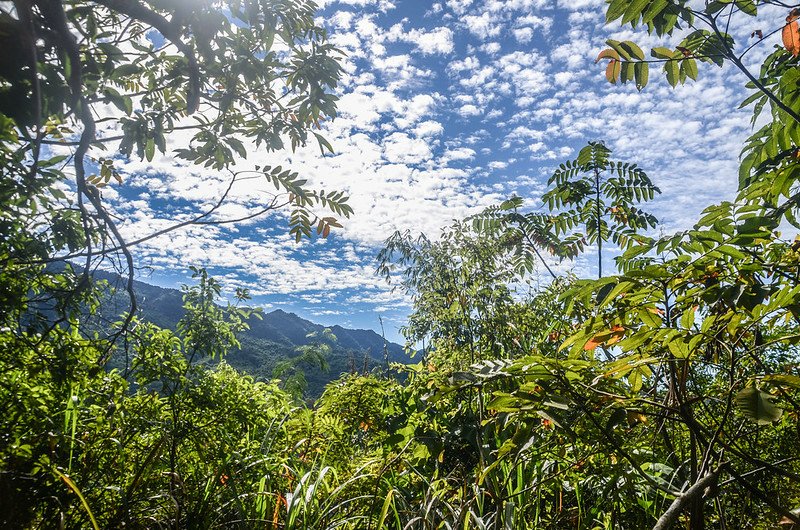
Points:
x=83, y=78
x=313, y=354
x=591, y=191
x=459, y=288
x=588, y=198
x=664, y=395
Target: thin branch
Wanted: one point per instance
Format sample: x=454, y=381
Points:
x=58, y=18
x=171, y=32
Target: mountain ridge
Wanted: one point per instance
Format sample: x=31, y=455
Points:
x=271, y=338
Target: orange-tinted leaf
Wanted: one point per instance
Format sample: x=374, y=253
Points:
x=613, y=70
x=607, y=337
x=635, y=417
x=617, y=332
x=591, y=344
x=791, y=37
x=607, y=54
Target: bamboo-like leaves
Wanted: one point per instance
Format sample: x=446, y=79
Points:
x=302, y=220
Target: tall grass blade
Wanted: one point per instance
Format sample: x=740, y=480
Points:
x=74, y=487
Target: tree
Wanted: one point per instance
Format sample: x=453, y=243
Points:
x=599, y=194
x=85, y=447
x=700, y=328
x=312, y=355
x=459, y=288
x=89, y=448
x=591, y=191
x=768, y=167
x=238, y=75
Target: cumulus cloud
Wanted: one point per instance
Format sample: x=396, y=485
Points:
x=444, y=111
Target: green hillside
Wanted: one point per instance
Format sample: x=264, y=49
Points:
x=274, y=336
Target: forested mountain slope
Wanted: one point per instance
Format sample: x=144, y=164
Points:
x=271, y=338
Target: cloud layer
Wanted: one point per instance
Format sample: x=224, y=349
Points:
x=445, y=108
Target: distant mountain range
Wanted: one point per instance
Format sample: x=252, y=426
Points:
x=270, y=339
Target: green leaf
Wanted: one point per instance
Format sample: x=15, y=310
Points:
x=757, y=405
x=74, y=488
x=323, y=144
x=620, y=49
x=634, y=11
x=662, y=53
x=649, y=318
x=150, y=149
x=635, y=380
x=689, y=68
x=748, y=7
x=641, y=75
x=716, y=6
x=673, y=72
x=53, y=161
x=654, y=10
x=627, y=72
x=789, y=380
x=616, y=9
x=751, y=99
x=633, y=50
x=678, y=348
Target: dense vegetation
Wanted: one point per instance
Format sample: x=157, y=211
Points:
x=269, y=340
x=664, y=395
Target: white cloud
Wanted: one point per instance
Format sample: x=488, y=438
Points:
x=436, y=40
x=444, y=112
x=460, y=153
x=428, y=128
x=523, y=35
x=399, y=148
x=469, y=110
x=483, y=26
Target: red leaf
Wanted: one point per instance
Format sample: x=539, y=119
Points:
x=613, y=70
x=592, y=344
x=791, y=33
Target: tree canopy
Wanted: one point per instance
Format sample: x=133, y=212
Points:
x=87, y=82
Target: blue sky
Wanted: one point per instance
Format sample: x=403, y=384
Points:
x=446, y=107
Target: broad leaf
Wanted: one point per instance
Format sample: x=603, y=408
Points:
x=757, y=405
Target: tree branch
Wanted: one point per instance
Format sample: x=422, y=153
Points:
x=669, y=517
x=171, y=32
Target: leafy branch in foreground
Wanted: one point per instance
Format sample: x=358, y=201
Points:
x=233, y=76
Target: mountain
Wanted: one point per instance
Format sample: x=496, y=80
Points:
x=270, y=339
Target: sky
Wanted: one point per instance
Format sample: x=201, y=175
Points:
x=445, y=108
